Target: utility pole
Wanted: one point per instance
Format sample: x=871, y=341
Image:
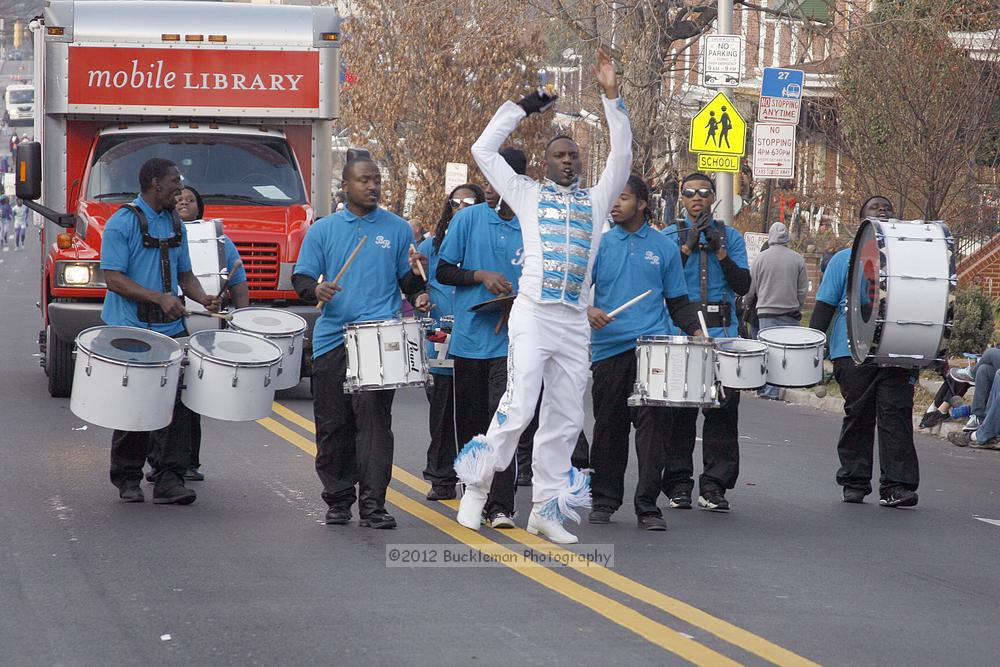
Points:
x=724, y=181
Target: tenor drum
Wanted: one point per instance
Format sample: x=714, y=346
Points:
x=741, y=363
x=283, y=328
x=125, y=378
x=900, y=292
x=438, y=341
x=230, y=375
x=385, y=354
x=208, y=258
x=676, y=371
x=794, y=356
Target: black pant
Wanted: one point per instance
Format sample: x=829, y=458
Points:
x=720, y=448
x=443, y=449
x=614, y=379
x=479, y=386
x=883, y=397
x=169, y=447
x=354, y=443
x=526, y=443
x=195, y=440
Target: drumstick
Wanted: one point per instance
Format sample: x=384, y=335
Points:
x=630, y=302
x=420, y=267
x=343, y=269
x=222, y=316
x=704, y=327
x=237, y=265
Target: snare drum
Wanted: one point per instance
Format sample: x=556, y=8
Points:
x=741, y=363
x=794, y=356
x=125, y=378
x=230, y=375
x=675, y=370
x=208, y=257
x=385, y=354
x=283, y=328
x=900, y=292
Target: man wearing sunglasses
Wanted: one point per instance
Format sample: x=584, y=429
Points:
x=562, y=224
x=481, y=257
x=716, y=272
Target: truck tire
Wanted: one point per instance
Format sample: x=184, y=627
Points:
x=58, y=364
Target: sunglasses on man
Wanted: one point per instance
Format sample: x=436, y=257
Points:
x=704, y=193
x=468, y=201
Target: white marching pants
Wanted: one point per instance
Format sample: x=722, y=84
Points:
x=551, y=344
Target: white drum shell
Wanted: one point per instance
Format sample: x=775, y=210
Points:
x=741, y=364
x=290, y=344
x=675, y=371
x=144, y=402
x=388, y=354
x=205, y=245
x=227, y=391
x=794, y=356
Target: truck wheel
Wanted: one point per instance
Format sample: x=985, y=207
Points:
x=58, y=364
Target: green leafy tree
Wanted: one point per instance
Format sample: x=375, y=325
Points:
x=973, y=328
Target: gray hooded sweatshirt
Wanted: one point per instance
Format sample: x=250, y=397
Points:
x=778, y=276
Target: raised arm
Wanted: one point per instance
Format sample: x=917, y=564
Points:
x=486, y=152
x=616, y=171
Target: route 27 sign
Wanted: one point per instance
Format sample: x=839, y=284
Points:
x=780, y=95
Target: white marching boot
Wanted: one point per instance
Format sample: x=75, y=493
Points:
x=470, y=508
x=549, y=525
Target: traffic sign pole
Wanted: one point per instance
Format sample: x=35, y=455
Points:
x=724, y=181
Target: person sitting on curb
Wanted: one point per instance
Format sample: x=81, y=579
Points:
x=981, y=375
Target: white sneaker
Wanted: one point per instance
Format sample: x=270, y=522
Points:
x=550, y=528
x=470, y=509
x=972, y=424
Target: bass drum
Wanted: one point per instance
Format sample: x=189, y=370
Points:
x=900, y=292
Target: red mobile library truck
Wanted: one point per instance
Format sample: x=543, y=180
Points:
x=240, y=96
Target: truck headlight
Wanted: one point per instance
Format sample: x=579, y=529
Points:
x=79, y=274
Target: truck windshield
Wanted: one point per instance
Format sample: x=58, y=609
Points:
x=22, y=96
x=254, y=170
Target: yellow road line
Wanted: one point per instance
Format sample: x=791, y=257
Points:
x=626, y=617
x=724, y=630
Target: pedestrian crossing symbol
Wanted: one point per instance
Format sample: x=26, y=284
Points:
x=718, y=128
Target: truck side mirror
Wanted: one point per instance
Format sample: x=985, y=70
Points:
x=28, y=171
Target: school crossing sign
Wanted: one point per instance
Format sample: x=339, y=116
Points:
x=718, y=135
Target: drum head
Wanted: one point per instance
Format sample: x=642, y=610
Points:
x=792, y=336
x=741, y=345
x=233, y=347
x=127, y=344
x=863, y=290
x=267, y=321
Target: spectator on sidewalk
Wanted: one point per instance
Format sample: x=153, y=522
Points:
x=982, y=375
x=779, y=283
x=986, y=431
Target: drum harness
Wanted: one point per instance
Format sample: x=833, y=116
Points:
x=717, y=313
x=150, y=312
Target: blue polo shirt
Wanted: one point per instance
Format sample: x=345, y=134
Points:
x=833, y=291
x=232, y=254
x=718, y=289
x=627, y=265
x=479, y=239
x=442, y=296
x=122, y=251
x=370, y=290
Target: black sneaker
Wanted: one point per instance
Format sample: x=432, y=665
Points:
x=854, y=495
x=651, y=522
x=524, y=476
x=177, y=495
x=600, y=514
x=500, y=521
x=379, y=520
x=131, y=493
x=714, y=501
x=338, y=516
x=680, y=501
x=194, y=475
x=441, y=493
x=899, y=498
x=933, y=418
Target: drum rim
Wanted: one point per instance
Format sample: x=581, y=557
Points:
x=697, y=341
x=236, y=364
x=119, y=362
x=721, y=351
x=285, y=334
x=792, y=346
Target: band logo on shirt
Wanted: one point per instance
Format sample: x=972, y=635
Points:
x=383, y=242
x=652, y=258
x=518, y=259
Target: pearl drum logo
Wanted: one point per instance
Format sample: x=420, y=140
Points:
x=413, y=356
x=108, y=76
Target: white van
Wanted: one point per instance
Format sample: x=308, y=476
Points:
x=19, y=104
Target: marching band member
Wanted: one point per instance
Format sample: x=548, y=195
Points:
x=549, y=334
x=632, y=259
x=873, y=395
x=138, y=241
x=354, y=441
x=485, y=241
x=716, y=271
x=443, y=447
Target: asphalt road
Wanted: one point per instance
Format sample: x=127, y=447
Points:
x=248, y=575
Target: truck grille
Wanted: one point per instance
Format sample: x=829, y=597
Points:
x=260, y=261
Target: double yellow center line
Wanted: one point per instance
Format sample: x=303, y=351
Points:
x=656, y=633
